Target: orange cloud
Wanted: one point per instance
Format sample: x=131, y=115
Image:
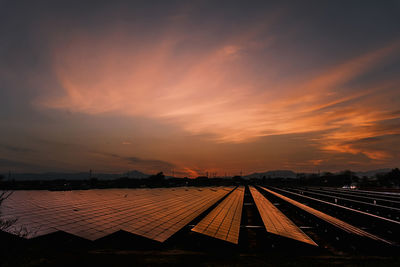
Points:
x=316, y=162
x=209, y=90
x=348, y=148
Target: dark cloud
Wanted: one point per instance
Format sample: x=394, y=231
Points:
x=6, y=163
x=395, y=113
x=368, y=140
x=137, y=162
x=17, y=149
x=56, y=144
x=157, y=164
x=382, y=141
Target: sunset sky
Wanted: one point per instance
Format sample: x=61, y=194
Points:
x=199, y=86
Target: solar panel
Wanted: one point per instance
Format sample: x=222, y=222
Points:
x=276, y=222
x=223, y=222
x=357, y=196
x=346, y=208
x=332, y=220
x=330, y=195
x=91, y=214
x=167, y=219
x=392, y=195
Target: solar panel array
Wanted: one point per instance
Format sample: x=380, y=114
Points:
x=152, y=213
x=223, y=222
x=157, y=213
x=276, y=222
x=332, y=220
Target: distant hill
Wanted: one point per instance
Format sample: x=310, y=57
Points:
x=372, y=172
x=291, y=174
x=136, y=174
x=75, y=176
x=272, y=174
x=140, y=175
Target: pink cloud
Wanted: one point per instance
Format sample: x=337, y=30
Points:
x=211, y=91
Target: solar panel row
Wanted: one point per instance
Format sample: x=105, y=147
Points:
x=327, y=194
x=332, y=220
x=346, y=208
x=368, y=198
x=223, y=222
x=389, y=195
x=275, y=221
x=153, y=213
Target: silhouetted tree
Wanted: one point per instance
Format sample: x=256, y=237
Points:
x=5, y=223
x=347, y=177
x=237, y=178
x=158, y=177
x=390, y=179
x=202, y=178
x=93, y=181
x=264, y=179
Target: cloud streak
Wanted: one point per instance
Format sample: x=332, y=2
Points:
x=150, y=165
x=210, y=90
x=255, y=86
x=17, y=149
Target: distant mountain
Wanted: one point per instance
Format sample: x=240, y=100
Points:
x=139, y=175
x=136, y=174
x=272, y=174
x=291, y=174
x=75, y=176
x=372, y=172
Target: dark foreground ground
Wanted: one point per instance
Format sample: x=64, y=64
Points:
x=123, y=249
